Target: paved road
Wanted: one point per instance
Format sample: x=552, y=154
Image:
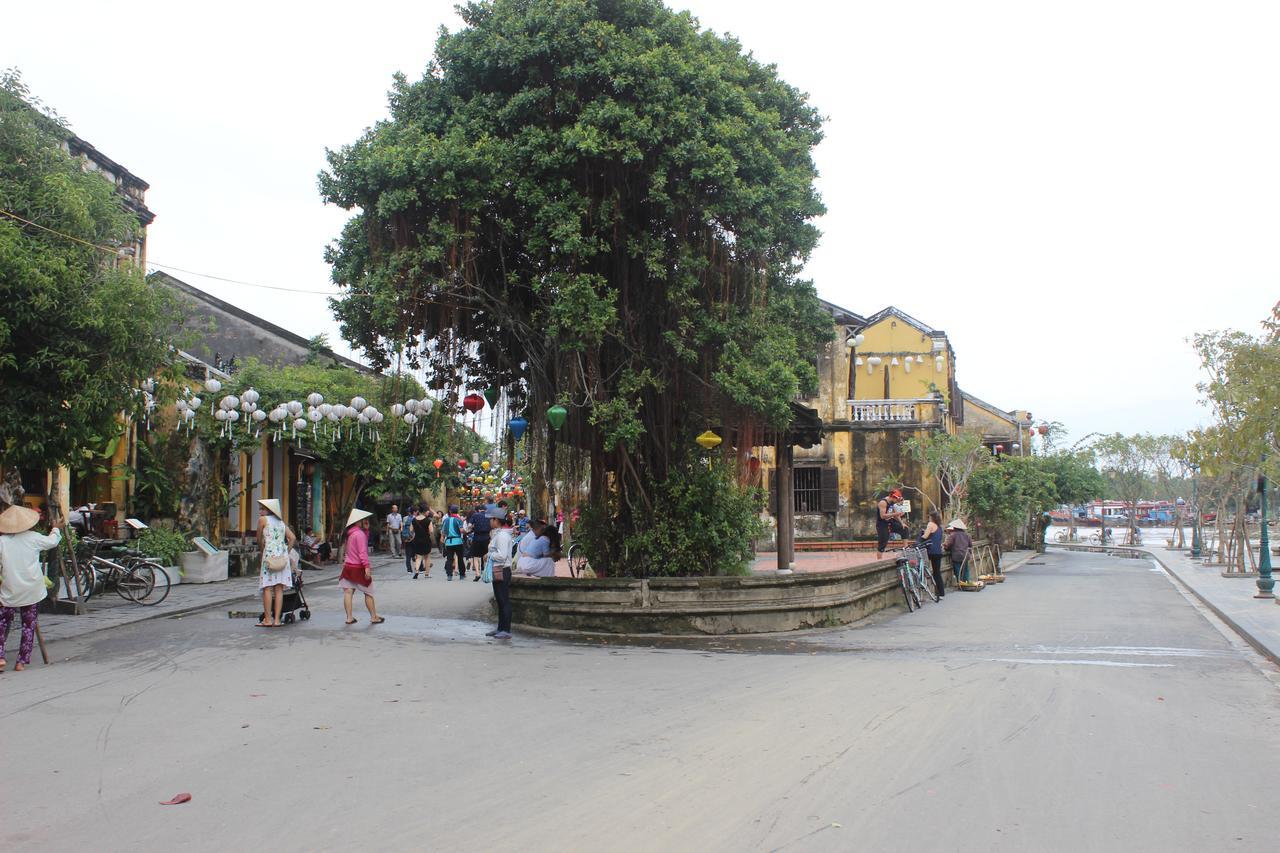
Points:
x=1086, y=704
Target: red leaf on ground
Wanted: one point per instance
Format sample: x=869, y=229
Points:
x=178, y=799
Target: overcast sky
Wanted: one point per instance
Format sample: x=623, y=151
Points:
x=1070, y=190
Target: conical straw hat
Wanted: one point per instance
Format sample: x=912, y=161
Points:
x=16, y=519
x=272, y=505
x=357, y=515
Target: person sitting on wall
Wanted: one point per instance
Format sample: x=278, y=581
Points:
x=313, y=549
x=888, y=520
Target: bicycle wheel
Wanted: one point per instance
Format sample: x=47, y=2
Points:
x=161, y=585
x=577, y=561
x=927, y=584
x=907, y=591
x=136, y=583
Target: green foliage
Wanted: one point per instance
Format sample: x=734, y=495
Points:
x=1243, y=389
x=164, y=545
x=1018, y=490
x=77, y=334
x=952, y=459
x=592, y=202
x=702, y=523
x=155, y=489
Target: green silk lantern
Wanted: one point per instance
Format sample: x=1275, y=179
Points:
x=491, y=394
x=556, y=416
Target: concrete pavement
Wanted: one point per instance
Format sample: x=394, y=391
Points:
x=1232, y=599
x=1256, y=620
x=1085, y=704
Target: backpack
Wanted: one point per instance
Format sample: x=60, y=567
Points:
x=481, y=526
x=452, y=530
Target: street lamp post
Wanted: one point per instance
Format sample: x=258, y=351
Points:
x=1195, y=513
x=1266, y=583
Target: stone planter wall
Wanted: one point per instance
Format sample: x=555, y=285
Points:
x=698, y=606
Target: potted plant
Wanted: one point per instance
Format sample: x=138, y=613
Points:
x=165, y=546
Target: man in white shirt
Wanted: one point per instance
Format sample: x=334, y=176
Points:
x=394, y=522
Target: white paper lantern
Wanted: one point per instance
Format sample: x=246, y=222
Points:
x=149, y=385
x=397, y=409
x=332, y=417
x=251, y=395
x=233, y=415
x=410, y=418
x=358, y=403
x=315, y=399
x=378, y=417
x=294, y=408
x=229, y=402
x=182, y=405
x=425, y=406
x=259, y=415
x=300, y=423
x=220, y=415
x=314, y=415
x=364, y=419
x=195, y=402
x=411, y=405
x=188, y=414
x=213, y=386
x=325, y=409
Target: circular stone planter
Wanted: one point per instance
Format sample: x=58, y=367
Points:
x=699, y=606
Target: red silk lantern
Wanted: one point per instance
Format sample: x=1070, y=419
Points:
x=1043, y=429
x=438, y=463
x=462, y=464
x=473, y=402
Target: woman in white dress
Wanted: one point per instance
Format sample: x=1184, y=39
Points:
x=275, y=539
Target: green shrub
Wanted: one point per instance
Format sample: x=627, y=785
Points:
x=164, y=545
x=702, y=523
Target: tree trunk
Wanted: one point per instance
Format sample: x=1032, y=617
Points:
x=198, y=490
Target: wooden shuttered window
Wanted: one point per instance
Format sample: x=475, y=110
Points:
x=814, y=489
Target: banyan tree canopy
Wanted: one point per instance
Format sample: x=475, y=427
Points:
x=598, y=204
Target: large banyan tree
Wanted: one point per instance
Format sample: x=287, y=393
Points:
x=596, y=204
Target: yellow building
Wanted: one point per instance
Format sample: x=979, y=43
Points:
x=883, y=380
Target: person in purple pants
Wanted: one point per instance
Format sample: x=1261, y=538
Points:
x=22, y=583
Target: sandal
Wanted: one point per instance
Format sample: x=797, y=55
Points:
x=377, y=621
x=352, y=621
x=264, y=625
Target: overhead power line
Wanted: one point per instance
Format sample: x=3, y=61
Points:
x=113, y=252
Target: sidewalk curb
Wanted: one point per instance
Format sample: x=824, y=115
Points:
x=1253, y=641
x=185, y=611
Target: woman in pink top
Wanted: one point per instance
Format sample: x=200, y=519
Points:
x=357, y=574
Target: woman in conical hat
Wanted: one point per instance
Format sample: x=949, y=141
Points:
x=275, y=539
x=22, y=585
x=357, y=573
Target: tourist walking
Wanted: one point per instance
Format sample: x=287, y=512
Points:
x=451, y=539
x=22, y=585
x=357, y=573
x=888, y=520
x=958, y=545
x=394, y=523
x=275, y=570
x=480, y=525
x=499, y=555
x=932, y=539
x=422, y=532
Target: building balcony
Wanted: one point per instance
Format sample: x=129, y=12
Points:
x=877, y=414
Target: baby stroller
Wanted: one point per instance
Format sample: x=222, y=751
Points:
x=292, y=600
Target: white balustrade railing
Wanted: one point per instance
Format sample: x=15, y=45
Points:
x=891, y=411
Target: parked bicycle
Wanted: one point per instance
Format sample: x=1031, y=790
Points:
x=577, y=559
x=1104, y=538
x=134, y=577
x=919, y=574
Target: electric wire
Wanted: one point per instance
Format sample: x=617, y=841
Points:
x=113, y=252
